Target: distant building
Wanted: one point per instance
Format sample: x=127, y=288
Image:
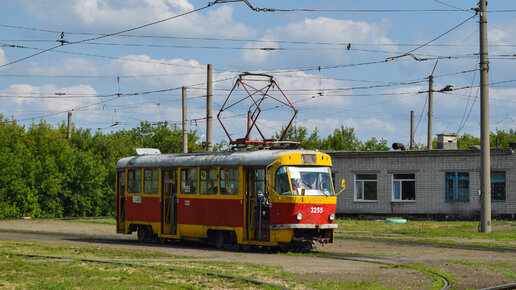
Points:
x=437, y=183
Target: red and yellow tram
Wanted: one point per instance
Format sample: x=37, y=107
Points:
x=271, y=198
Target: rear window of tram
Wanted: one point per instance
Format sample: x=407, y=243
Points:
x=134, y=181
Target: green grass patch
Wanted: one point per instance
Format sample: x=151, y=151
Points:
x=346, y=285
x=109, y=221
x=18, y=271
x=76, y=251
x=500, y=268
x=432, y=229
x=438, y=282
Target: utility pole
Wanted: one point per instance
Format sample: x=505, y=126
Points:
x=430, y=109
x=185, y=132
x=249, y=123
x=411, y=130
x=69, y=129
x=485, y=159
x=209, y=110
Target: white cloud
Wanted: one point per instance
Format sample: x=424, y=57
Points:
x=180, y=72
x=112, y=15
x=64, y=67
x=321, y=29
x=49, y=97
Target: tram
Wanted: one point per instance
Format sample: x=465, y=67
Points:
x=268, y=198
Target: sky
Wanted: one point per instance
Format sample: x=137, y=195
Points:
x=359, y=64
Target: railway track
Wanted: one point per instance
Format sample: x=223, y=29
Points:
x=54, y=258
x=434, y=244
x=383, y=261
x=366, y=259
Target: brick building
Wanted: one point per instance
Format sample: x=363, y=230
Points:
x=427, y=183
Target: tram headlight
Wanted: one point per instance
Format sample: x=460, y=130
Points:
x=331, y=217
x=299, y=216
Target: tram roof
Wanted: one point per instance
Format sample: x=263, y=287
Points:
x=246, y=158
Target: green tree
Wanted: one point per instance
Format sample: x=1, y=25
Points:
x=300, y=134
x=343, y=138
x=465, y=141
x=374, y=144
x=502, y=139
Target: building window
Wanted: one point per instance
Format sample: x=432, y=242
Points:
x=208, y=180
x=457, y=186
x=189, y=181
x=151, y=181
x=134, y=181
x=365, y=187
x=498, y=186
x=403, y=187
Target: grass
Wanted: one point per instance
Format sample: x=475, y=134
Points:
x=83, y=252
x=110, y=221
x=38, y=272
x=348, y=285
x=438, y=282
x=500, y=268
x=432, y=229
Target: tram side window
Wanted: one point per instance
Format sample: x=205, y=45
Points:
x=229, y=180
x=208, y=178
x=189, y=181
x=281, y=183
x=151, y=182
x=134, y=181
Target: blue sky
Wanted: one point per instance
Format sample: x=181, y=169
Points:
x=375, y=99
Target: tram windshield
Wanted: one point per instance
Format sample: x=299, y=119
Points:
x=314, y=181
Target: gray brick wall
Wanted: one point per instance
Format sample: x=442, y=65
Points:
x=429, y=168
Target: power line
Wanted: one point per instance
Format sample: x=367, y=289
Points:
x=409, y=53
x=106, y=35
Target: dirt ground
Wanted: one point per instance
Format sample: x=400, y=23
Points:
x=360, y=260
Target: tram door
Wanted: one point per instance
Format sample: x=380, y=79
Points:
x=169, y=198
x=256, y=206
x=120, y=202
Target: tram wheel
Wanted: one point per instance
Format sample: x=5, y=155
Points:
x=245, y=248
x=219, y=240
x=142, y=234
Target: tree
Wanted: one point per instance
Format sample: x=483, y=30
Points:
x=374, y=144
x=343, y=138
x=300, y=134
x=502, y=139
x=466, y=140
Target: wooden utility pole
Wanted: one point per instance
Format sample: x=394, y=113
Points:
x=430, y=110
x=185, y=132
x=209, y=110
x=485, y=162
x=411, y=130
x=69, y=127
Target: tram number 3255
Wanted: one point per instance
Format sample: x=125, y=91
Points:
x=316, y=209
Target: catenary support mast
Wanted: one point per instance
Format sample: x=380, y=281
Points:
x=485, y=163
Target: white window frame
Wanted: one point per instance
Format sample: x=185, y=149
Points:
x=401, y=180
x=362, y=181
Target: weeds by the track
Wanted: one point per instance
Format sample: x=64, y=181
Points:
x=445, y=231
